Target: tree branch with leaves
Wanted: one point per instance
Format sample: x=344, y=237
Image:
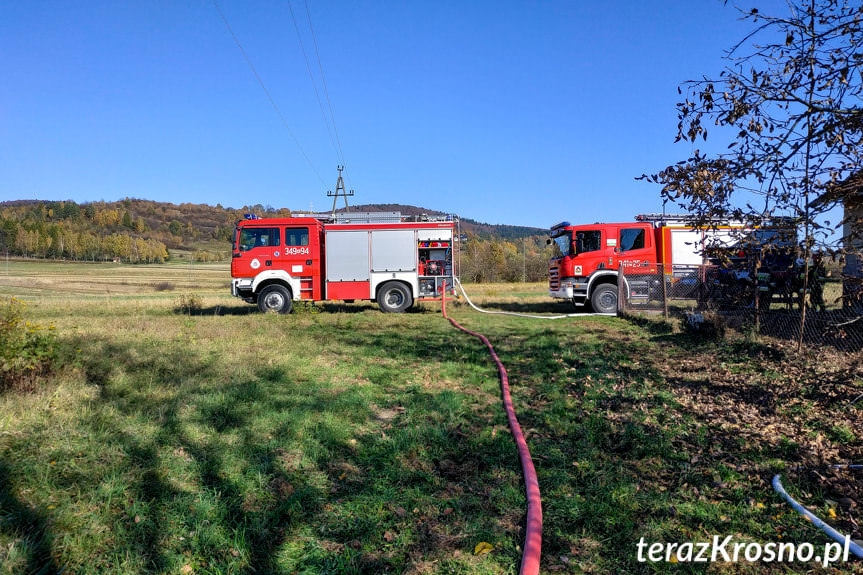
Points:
x=789, y=103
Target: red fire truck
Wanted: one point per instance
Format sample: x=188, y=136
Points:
x=584, y=267
x=354, y=256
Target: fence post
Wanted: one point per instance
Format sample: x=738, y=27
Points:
x=664, y=290
x=757, y=302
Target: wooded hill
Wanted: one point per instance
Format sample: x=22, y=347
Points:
x=144, y=231
x=131, y=230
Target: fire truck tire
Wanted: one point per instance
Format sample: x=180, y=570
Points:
x=394, y=297
x=275, y=298
x=604, y=299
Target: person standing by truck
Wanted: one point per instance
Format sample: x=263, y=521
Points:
x=817, y=277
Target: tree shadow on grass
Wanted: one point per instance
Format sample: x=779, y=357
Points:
x=549, y=308
x=28, y=526
x=335, y=499
x=226, y=310
x=151, y=497
x=209, y=420
x=217, y=310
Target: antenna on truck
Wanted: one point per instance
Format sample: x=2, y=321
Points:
x=340, y=192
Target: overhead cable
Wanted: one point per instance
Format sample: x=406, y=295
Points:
x=266, y=91
x=315, y=85
x=326, y=90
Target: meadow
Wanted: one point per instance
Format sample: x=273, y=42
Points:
x=184, y=432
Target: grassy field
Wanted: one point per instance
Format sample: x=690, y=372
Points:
x=342, y=440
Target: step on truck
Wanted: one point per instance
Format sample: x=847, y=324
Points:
x=380, y=257
x=586, y=258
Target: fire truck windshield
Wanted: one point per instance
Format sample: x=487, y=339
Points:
x=562, y=245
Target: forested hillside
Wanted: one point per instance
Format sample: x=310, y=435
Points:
x=131, y=230
x=143, y=231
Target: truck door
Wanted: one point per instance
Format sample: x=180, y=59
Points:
x=300, y=257
x=635, y=250
x=256, y=250
x=590, y=253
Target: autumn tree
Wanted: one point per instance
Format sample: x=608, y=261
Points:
x=495, y=260
x=787, y=104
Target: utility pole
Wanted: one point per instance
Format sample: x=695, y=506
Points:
x=340, y=192
x=523, y=260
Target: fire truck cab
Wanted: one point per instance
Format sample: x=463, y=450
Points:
x=354, y=257
x=653, y=249
x=584, y=265
x=276, y=261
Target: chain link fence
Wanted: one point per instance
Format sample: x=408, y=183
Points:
x=785, y=304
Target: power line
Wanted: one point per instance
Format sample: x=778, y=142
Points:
x=315, y=85
x=326, y=90
x=266, y=91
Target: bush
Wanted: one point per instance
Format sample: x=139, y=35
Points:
x=189, y=303
x=27, y=351
x=305, y=306
x=163, y=286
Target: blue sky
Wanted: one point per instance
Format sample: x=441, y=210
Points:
x=520, y=113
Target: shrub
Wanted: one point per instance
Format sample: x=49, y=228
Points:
x=841, y=433
x=27, y=351
x=305, y=306
x=189, y=303
x=163, y=286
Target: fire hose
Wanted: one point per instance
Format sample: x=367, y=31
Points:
x=464, y=293
x=533, y=538
x=816, y=521
x=533, y=535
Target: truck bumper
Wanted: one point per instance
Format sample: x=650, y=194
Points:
x=572, y=289
x=242, y=288
x=565, y=292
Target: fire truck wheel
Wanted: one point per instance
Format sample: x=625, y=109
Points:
x=394, y=297
x=275, y=298
x=604, y=299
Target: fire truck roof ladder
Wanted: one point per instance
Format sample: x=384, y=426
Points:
x=366, y=217
x=666, y=219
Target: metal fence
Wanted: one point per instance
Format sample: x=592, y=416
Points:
x=773, y=304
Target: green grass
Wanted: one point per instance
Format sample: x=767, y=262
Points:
x=350, y=441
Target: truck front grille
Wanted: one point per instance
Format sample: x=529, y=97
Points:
x=554, y=276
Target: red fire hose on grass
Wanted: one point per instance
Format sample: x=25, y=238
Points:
x=533, y=535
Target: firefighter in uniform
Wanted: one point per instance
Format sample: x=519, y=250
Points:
x=817, y=275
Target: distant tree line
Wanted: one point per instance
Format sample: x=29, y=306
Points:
x=498, y=260
x=144, y=231
x=131, y=230
x=70, y=231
